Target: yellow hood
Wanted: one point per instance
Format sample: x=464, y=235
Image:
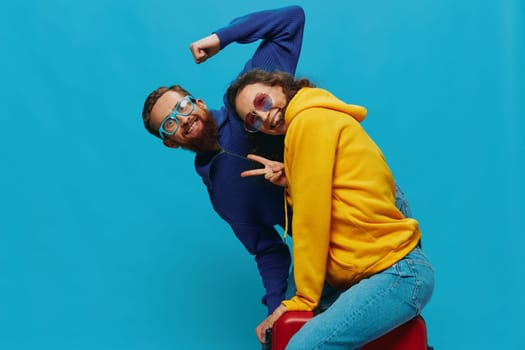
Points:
x=319, y=98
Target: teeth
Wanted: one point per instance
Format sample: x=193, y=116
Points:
x=277, y=120
x=188, y=130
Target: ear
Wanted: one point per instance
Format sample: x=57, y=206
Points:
x=170, y=143
x=201, y=103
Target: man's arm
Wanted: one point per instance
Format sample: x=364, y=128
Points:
x=282, y=34
x=272, y=257
x=281, y=31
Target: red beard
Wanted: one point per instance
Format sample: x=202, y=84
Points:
x=208, y=140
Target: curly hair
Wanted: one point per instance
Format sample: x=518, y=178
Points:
x=287, y=81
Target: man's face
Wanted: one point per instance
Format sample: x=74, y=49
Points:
x=196, y=132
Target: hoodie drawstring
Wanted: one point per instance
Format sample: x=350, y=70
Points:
x=285, y=215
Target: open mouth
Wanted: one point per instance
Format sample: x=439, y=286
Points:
x=277, y=120
x=192, y=126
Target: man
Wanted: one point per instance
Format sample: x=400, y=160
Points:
x=252, y=207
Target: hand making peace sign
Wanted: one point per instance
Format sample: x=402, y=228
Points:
x=273, y=171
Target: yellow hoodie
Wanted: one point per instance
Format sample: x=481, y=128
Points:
x=345, y=225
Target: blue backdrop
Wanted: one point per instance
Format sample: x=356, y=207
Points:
x=107, y=238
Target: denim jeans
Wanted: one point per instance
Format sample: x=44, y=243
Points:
x=402, y=202
x=370, y=308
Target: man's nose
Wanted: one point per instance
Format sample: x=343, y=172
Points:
x=183, y=119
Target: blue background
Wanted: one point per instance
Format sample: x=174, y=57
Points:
x=107, y=238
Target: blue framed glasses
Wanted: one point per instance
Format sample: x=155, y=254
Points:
x=170, y=124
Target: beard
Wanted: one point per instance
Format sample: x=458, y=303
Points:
x=208, y=140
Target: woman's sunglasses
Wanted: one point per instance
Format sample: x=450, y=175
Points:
x=252, y=122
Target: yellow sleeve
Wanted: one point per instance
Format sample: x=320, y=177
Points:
x=310, y=150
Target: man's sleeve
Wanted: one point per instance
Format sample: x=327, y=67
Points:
x=272, y=257
x=281, y=31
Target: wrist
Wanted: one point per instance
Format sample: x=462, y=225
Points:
x=281, y=309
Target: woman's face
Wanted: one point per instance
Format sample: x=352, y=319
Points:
x=261, y=107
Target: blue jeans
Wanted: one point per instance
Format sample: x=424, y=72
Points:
x=370, y=308
x=402, y=202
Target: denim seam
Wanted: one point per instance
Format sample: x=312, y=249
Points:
x=417, y=286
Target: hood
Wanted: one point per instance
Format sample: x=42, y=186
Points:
x=318, y=98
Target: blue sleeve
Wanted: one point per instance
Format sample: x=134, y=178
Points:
x=272, y=257
x=281, y=31
x=281, y=34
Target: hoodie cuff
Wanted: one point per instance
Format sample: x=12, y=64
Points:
x=272, y=302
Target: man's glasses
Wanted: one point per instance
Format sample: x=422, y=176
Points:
x=170, y=124
x=252, y=122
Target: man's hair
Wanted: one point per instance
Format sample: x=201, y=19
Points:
x=268, y=146
x=152, y=99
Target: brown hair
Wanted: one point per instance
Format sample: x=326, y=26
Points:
x=287, y=81
x=152, y=99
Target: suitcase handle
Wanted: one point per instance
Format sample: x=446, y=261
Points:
x=267, y=345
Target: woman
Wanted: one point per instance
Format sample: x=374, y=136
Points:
x=346, y=228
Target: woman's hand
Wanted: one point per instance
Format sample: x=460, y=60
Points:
x=205, y=48
x=273, y=171
x=268, y=323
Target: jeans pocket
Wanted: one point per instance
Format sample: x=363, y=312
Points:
x=422, y=273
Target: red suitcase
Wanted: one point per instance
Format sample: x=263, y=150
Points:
x=285, y=327
x=411, y=335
